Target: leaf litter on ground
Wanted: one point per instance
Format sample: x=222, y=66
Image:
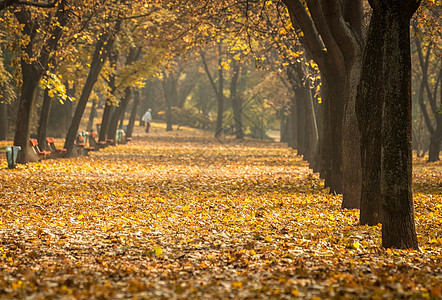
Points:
x=175, y=216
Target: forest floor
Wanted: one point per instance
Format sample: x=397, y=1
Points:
x=181, y=215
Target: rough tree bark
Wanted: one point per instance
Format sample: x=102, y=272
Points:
x=384, y=95
x=333, y=38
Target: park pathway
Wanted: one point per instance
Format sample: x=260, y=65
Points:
x=182, y=215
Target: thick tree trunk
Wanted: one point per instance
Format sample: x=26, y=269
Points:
x=44, y=120
x=3, y=121
x=368, y=109
x=386, y=87
x=105, y=120
x=351, y=157
x=31, y=81
x=32, y=72
x=338, y=101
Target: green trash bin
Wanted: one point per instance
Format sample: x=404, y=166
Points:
x=11, y=155
x=119, y=135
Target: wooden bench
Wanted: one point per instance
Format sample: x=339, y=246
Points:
x=34, y=152
x=55, y=152
x=94, y=143
x=81, y=144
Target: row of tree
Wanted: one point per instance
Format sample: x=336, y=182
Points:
x=343, y=96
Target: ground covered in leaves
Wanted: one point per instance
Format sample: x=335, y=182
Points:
x=184, y=216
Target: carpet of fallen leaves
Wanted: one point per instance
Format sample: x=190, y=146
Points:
x=177, y=215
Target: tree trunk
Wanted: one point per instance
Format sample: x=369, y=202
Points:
x=121, y=121
x=284, y=127
x=293, y=131
x=300, y=120
x=119, y=111
x=118, y=115
x=169, y=119
x=68, y=108
x=435, y=132
x=220, y=112
x=311, y=125
x=435, y=141
x=102, y=49
x=306, y=113
x=3, y=121
x=169, y=84
x=105, y=121
x=368, y=109
x=31, y=82
x=236, y=101
x=90, y=123
x=323, y=156
x=133, y=114
x=44, y=120
x=351, y=157
x=337, y=100
x=32, y=72
x=436, y=137
x=385, y=95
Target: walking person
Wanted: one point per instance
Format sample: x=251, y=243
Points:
x=147, y=118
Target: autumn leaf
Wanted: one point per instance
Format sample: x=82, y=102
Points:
x=180, y=215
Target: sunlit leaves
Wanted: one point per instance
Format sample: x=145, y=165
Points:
x=179, y=215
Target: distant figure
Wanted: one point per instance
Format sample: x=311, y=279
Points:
x=147, y=117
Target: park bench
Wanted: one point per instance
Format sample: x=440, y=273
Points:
x=81, y=144
x=34, y=152
x=94, y=143
x=55, y=152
